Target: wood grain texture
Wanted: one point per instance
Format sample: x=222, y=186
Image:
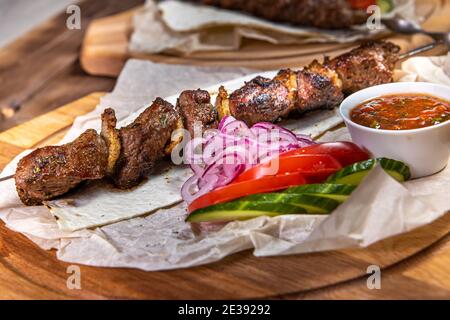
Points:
x=19, y=16
x=29, y=134
x=105, y=46
x=423, y=276
x=26, y=271
x=40, y=71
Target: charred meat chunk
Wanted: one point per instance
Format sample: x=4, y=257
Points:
x=260, y=99
x=368, y=65
x=318, y=87
x=330, y=14
x=196, y=110
x=143, y=143
x=51, y=171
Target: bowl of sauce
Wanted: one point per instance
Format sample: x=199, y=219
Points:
x=406, y=121
x=401, y=111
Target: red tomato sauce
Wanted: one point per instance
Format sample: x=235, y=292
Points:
x=401, y=112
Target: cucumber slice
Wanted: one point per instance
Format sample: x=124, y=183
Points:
x=354, y=173
x=268, y=204
x=306, y=199
x=385, y=5
x=396, y=169
x=242, y=210
x=338, y=192
x=311, y=203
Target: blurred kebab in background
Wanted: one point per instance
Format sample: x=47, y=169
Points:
x=326, y=14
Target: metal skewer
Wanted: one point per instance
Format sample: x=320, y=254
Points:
x=419, y=50
x=7, y=178
x=403, y=26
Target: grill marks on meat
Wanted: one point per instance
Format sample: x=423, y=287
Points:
x=196, y=109
x=331, y=14
x=368, y=65
x=318, y=87
x=143, y=143
x=260, y=99
x=314, y=87
x=51, y=171
x=311, y=88
x=126, y=155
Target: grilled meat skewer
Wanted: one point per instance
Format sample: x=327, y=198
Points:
x=125, y=155
x=317, y=86
x=330, y=14
x=128, y=155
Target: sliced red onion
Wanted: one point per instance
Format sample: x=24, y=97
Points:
x=237, y=128
x=227, y=166
x=221, y=155
x=225, y=120
x=198, y=170
x=189, y=189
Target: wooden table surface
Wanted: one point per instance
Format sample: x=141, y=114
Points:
x=35, y=90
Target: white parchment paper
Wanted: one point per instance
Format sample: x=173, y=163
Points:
x=380, y=207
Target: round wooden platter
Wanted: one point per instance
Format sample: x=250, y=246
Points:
x=26, y=271
x=105, y=46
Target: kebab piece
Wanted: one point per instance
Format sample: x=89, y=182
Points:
x=128, y=155
x=317, y=86
x=142, y=143
x=51, y=171
x=195, y=108
x=329, y=14
x=260, y=99
x=368, y=65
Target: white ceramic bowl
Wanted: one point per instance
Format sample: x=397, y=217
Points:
x=425, y=150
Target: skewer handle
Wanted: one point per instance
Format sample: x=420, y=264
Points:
x=419, y=50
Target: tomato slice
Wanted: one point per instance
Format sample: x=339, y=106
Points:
x=315, y=167
x=361, y=4
x=345, y=152
x=245, y=188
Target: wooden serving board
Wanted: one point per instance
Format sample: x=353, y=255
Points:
x=28, y=272
x=105, y=46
